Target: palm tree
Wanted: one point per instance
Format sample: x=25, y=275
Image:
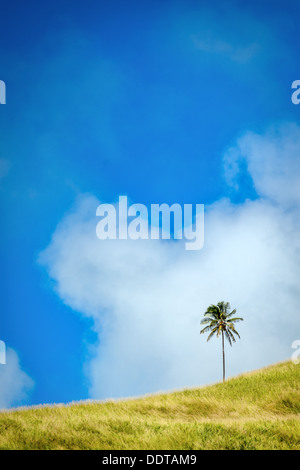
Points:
x=220, y=321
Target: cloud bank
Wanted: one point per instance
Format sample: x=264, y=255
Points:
x=15, y=384
x=147, y=297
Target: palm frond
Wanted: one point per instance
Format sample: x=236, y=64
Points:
x=215, y=330
x=227, y=336
x=208, y=320
x=231, y=336
x=223, y=306
x=236, y=319
x=213, y=311
x=204, y=330
x=231, y=313
x=234, y=331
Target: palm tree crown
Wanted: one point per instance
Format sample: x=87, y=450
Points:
x=220, y=321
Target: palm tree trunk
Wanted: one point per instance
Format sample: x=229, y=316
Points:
x=223, y=351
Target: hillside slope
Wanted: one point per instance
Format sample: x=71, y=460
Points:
x=259, y=410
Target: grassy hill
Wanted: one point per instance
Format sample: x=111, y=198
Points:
x=258, y=410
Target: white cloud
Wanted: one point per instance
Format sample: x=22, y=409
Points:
x=236, y=53
x=273, y=161
x=234, y=35
x=15, y=384
x=147, y=297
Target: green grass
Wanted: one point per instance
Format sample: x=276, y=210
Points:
x=259, y=410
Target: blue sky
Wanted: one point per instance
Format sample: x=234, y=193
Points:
x=136, y=98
